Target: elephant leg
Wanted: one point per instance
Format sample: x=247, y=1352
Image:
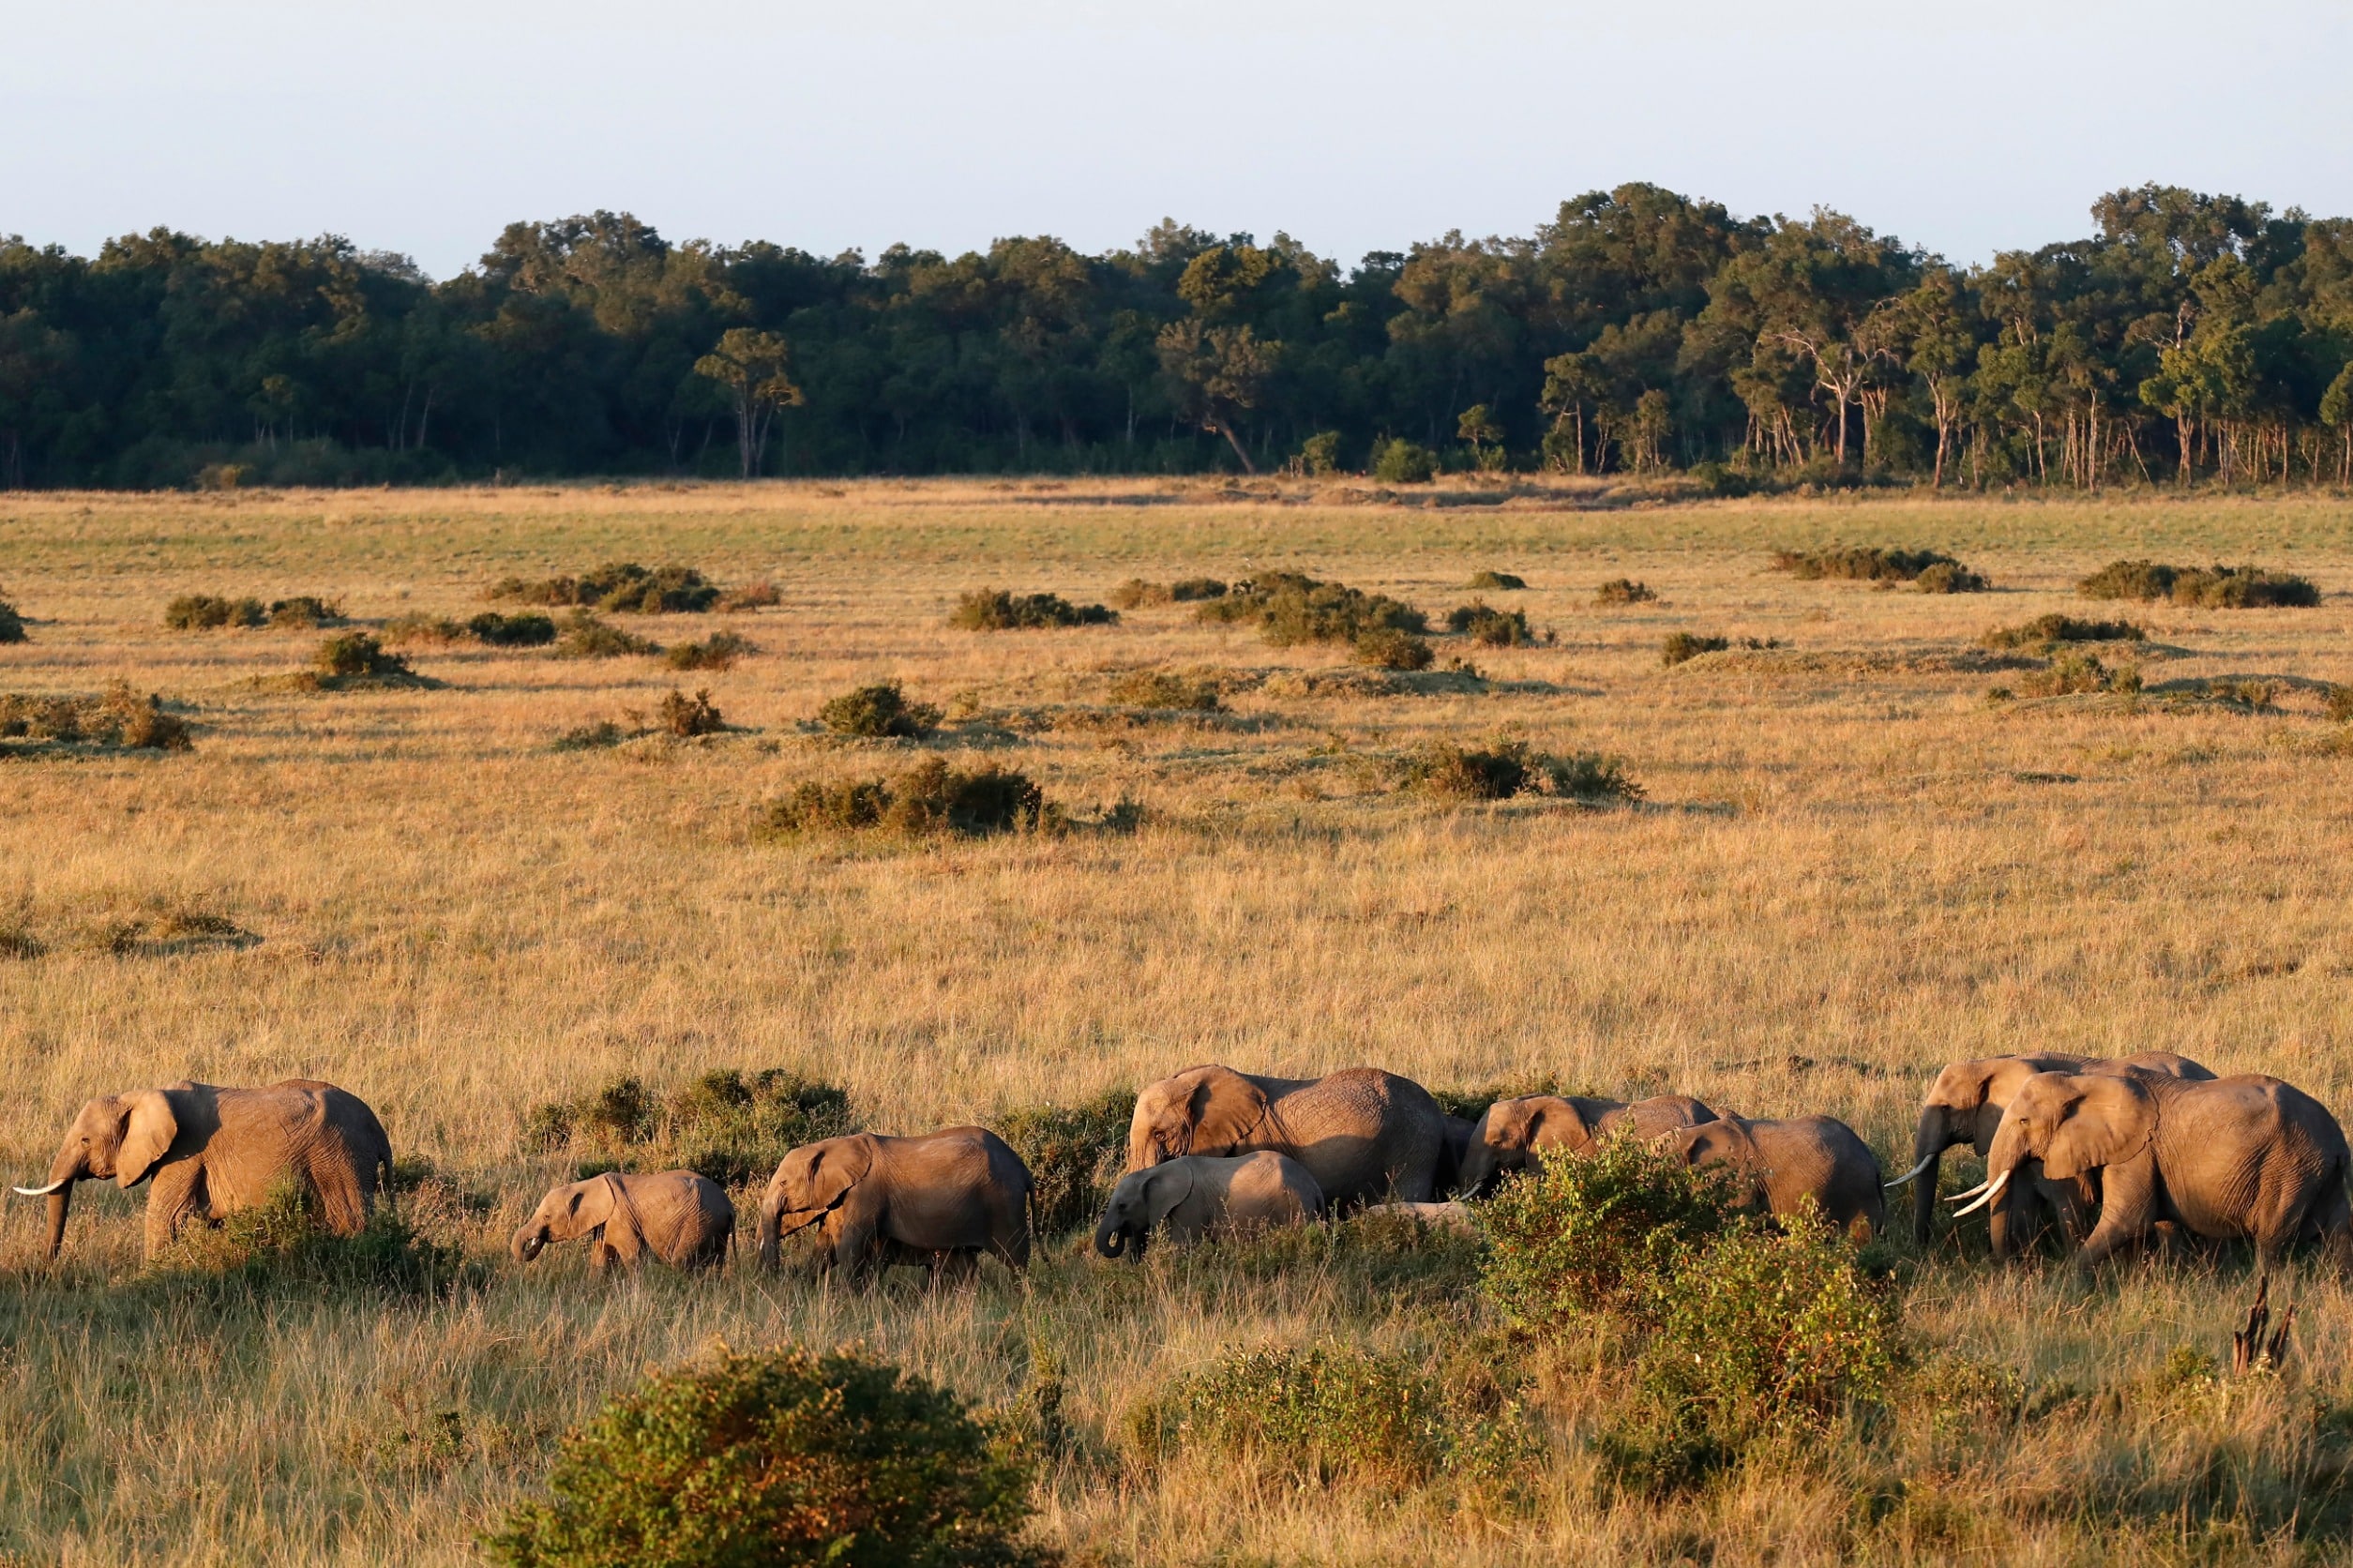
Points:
x=853, y=1243
x=177, y=1194
x=957, y=1266
x=2129, y=1204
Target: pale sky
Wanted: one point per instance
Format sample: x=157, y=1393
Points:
x=426, y=127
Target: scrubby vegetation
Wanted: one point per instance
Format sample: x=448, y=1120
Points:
x=117, y=717
x=718, y=651
x=686, y=717
x=1388, y=649
x=11, y=624
x=1164, y=689
x=731, y=1125
x=356, y=658
x=618, y=585
x=1489, y=626
x=585, y=637
x=1623, y=590
x=1291, y=608
x=2216, y=587
x=784, y=1458
x=993, y=610
x=1872, y=564
x=209, y=612
x=2046, y=631
x=751, y=596
x=1948, y=576
x=929, y=798
x=1506, y=766
x=280, y=1248
x=1076, y=1156
x=1404, y=462
x=2073, y=673
x=1136, y=593
x=877, y=711
x=511, y=631
x=1490, y=578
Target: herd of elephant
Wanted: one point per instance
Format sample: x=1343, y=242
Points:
x=2150, y=1145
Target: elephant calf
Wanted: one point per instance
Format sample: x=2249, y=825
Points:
x=1509, y=1134
x=682, y=1218
x=1200, y=1195
x=941, y=1199
x=1787, y=1163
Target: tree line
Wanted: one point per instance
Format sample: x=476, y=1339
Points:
x=2192, y=337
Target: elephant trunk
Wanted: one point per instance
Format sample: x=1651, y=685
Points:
x=63, y=1173
x=527, y=1242
x=59, y=1201
x=1110, y=1237
x=771, y=1234
x=1928, y=1146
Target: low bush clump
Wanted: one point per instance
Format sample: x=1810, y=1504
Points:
x=1947, y=577
x=1489, y=626
x=1684, y=646
x=591, y=737
x=993, y=610
x=2072, y=672
x=718, y=651
x=1159, y=688
x=1863, y=563
x=783, y=1457
x=1189, y=590
x=1314, y=1416
x=2045, y=630
x=929, y=798
x=357, y=656
x=1393, y=650
x=1291, y=608
x=304, y=613
x=281, y=1245
x=877, y=711
x=1506, y=767
x=1623, y=590
x=618, y=585
x=2339, y=701
x=1136, y=593
x=1504, y=582
x=686, y=717
x=11, y=624
x=752, y=595
x=2216, y=587
x=586, y=637
x=730, y=1126
x=511, y=631
x=117, y=717
x=1076, y=1156
x=210, y=613
x=1404, y=462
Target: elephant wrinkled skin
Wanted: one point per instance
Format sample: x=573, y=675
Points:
x=1363, y=1134
x=683, y=1219
x=211, y=1152
x=2237, y=1157
x=1508, y=1136
x=1787, y=1163
x=1195, y=1195
x=939, y=1200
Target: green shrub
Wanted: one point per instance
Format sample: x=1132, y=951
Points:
x=280, y=1245
x=683, y=716
x=929, y=798
x=586, y=637
x=1505, y=767
x=1500, y=581
x=1404, y=462
x=618, y=585
x=1393, y=650
x=1076, y=1156
x=1491, y=627
x=992, y=610
x=732, y=1126
x=718, y=651
x=2072, y=672
x=2045, y=630
x=1136, y=593
x=1291, y=608
x=1158, y=688
x=1329, y=1412
x=1605, y=1233
x=1682, y=647
x=591, y=737
x=304, y=613
x=874, y=712
x=1951, y=577
x=1863, y=563
x=2340, y=703
x=1623, y=590
x=1190, y=589
x=511, y=631
x=117, y=717
x=1720, y=480
x=2216, y=587
x=783, y=1457
x=209, y=612
x=11, y=624
x=1590, y=775
x=1320, y=454
x=357, y=655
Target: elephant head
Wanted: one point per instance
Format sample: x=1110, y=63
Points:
x=1202, y=1110
x=1508, y=1135
x=566, y=1214
x=809, y=1183
x=2074, y=1122
x=1724, y=1141
x=1964, y=1105
x=121, y=1136
x=1143, y=1200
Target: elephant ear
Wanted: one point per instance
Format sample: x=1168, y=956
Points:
x=1552, y=1121
x=1168, y=1186
x=836, y=1168
x=591, y=1204
x=1225, y=1111
x=148, y=1129
x=2102, y=1121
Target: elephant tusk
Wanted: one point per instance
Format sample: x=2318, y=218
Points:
x=44, y=1192
x=1964, y=1196
x=1911, y=1175
x=1992, y=1192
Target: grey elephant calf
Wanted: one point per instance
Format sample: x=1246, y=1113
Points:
x=680, y=1217
x=1203, y=1195
x=941, y=1199
x=1788, y=1165
x=1509, y=1134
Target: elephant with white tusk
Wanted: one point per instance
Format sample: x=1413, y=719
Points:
x=1509, y=1136
x=2237, y=1157
x=1965, y=1105
x=1786, y=1165
x=682, y=1218
x=941, y=1199
x=1206, y=1195
x=211, y=1152
x=1363, y=1134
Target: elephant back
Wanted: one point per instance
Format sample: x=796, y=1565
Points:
x=1363, y=1134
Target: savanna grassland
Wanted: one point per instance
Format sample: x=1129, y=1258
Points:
x=1849, y=866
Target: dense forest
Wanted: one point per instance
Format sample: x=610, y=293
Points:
x=2192, y=338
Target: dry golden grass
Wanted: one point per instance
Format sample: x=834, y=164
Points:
x=1851, y=867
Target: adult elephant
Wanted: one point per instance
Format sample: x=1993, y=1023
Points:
x=683, y=1218
x=1788, y=1165
x=1965, y=1105
x=2237, y=1157
x=211, y=1152
x=1509, y=1136
x=1363, y=1134
x=939, y=1200
x=1206, y=1195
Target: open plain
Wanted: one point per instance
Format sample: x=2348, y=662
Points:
x=1849, y=865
